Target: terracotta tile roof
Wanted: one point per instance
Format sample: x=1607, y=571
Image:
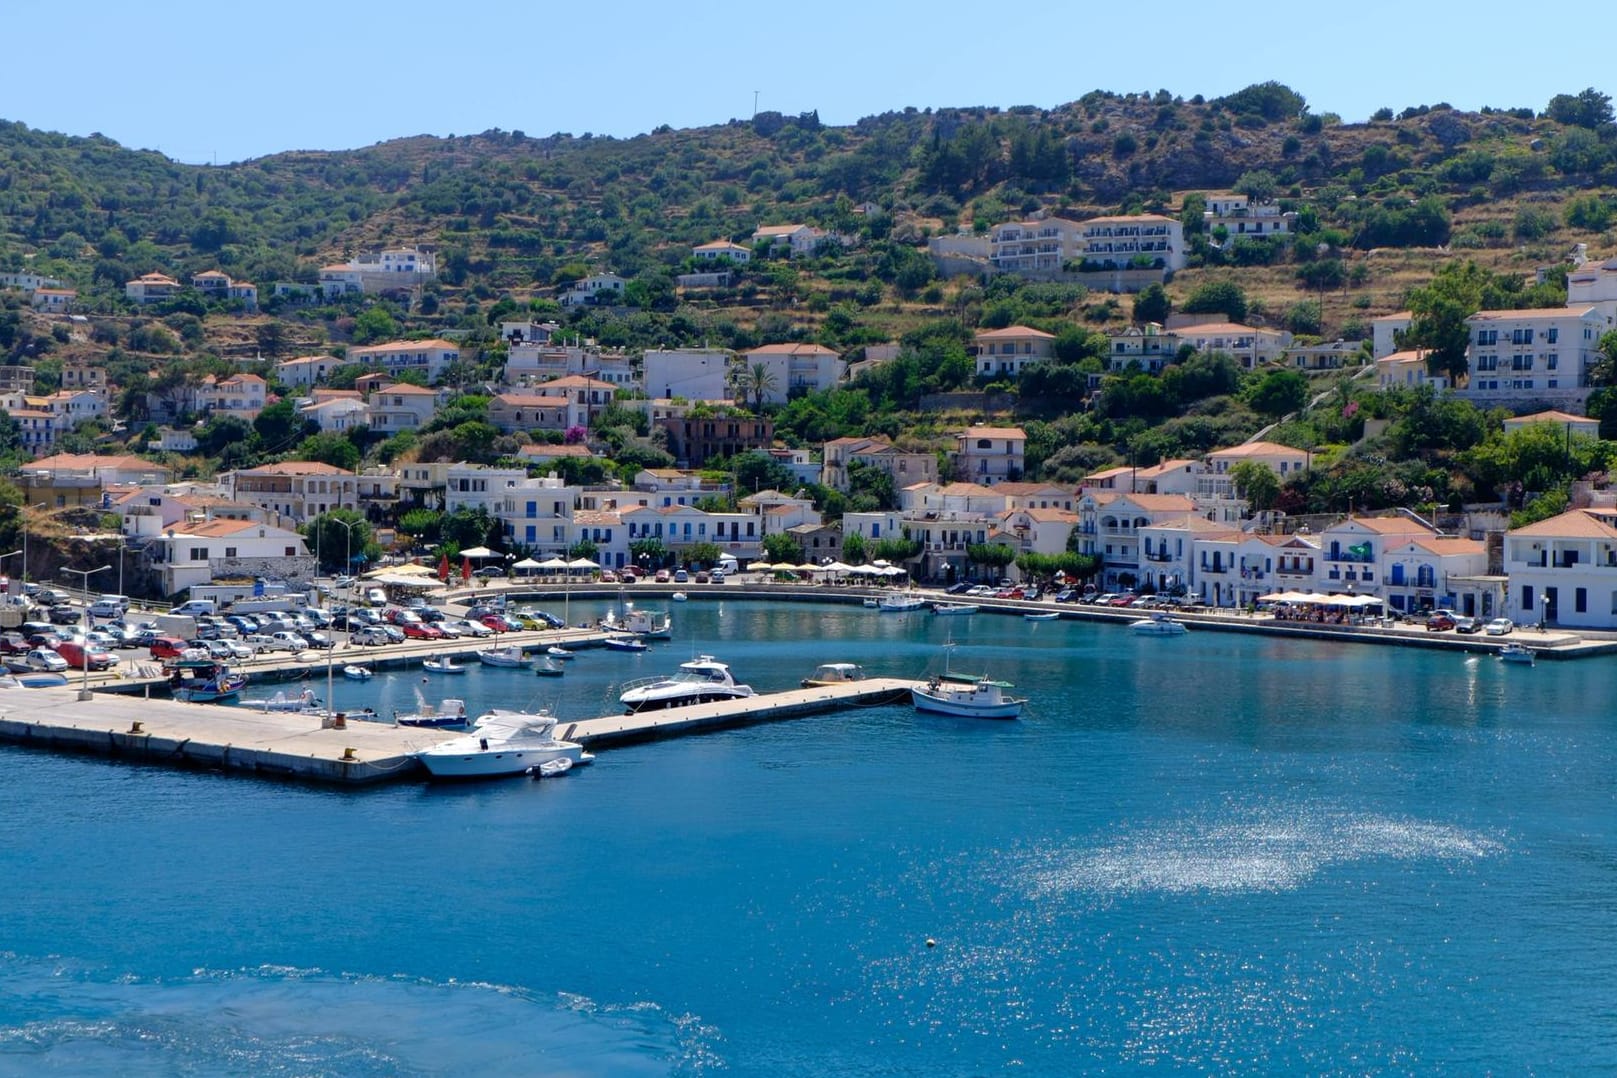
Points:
x=1014, y=332
x=1551, y=416
x=1532, y=312
x=791, y=350
x=1256, y=449
x=1573, y=524
x=295, y=467
x=1013, y=433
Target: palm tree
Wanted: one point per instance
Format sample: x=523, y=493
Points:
x=758, y=381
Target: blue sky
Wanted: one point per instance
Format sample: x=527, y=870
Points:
x=225, y=82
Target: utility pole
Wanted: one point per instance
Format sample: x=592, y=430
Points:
x=755, y=104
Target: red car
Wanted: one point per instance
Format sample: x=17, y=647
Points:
x=167, y=647
x=500, y=623
x=77, y=655
x=417, y=630
x=1126, y=599
x=14, y=644
x=1438, y=623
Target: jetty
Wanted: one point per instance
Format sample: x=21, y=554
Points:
x=312, y=748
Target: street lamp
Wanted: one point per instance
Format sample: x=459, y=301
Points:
x=20, y=512
x=1544, y=617
x=84, y=576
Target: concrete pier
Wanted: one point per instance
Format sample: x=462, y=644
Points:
x=723, y=714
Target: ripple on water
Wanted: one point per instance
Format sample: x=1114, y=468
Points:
x=278, y=1021
x=1276, y=850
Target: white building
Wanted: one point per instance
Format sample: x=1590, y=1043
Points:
x=793, y=368
x=1563, y=570
x=691, y=373
x=801, y=239
x=1008, y=352
x=1384, y=332
x=1407, y=370
x=1149, y=346
x=192, y=554
x=1239, y=216
x=305, y=371
x=1140, y=241
x=989, y=455
x=720, y=250
x=594, y=289
x=1248, y=345
x=1534, y=355
x=430, y=359
x=396, y=267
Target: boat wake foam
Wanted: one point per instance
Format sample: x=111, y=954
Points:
x=274, y=1020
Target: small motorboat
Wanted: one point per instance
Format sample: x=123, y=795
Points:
x=871, y=602
x=1158, y=624
x=511, y=655
x=679, y=597
x=624, y=643
x=560, y=654
x=971, y=696
x=355, y=672
x=833, y=674
x=445, y=665
x=549, y=668
x=299, y=702
x=1516, y=653
x=449, y=712
x=551, y=768
x=1042, y=615
x=954, y=608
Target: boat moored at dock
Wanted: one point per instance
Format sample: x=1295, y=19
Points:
x=502, y=743
x=700, y=681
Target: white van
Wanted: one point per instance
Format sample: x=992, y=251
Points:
x=195, y=607
x=109, y=606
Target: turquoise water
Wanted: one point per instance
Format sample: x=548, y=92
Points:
x=1214, y=852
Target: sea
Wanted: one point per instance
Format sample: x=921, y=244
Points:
x=1210, y=853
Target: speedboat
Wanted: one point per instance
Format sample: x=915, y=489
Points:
x=1516, y=653
x=445, y=665
x=510, y=655
x=304, y=701
x=549, y=668
x=1158, y=624
x=972, y=696
x=355, y=672
x=872, y=602
x=833, y=674
x=502, y=743
x=679, y=597
x=700, y=681
x=624, y=643
x=449, y=712
x=899, y=602
x=954, y=608
x=559, y=653
x=1042, y=615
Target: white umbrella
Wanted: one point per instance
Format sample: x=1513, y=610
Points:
x=478, y=552
x=783, y=567
x=839, y=567
x=807, y=568
x=582, y=563
x=865, y=570
x=893, y=570
x=553, y=563
x=526, y=563
x=758, y=567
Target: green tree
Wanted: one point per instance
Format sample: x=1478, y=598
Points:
x=756, y=470
x=1218, y=297
x=1151, y=304
x=870, y=488
x=649, y=551
x=329, y=448
x=854, y=550
x=1279, y=392
x=423, y=525
x=327, y=534
x=781, y=547
x=993, y=556
x=375, y=324
x=1440, y=309
x=1259, y=185
x=758, y=382
x=703, y=555
x=470, y=527
x=1257, y=483
x=280, y=427
x=1591, y=109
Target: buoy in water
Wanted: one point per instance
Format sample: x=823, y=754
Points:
x=930, y=942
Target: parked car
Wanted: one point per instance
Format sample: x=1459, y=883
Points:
x=1439, y=623
x=65, y=615
x=552, y=621
x=376, y=597
x=466, y=627
x=45, y=659
x=681, y=576
x=13, y=643
x=1467, y=624
x=81, y=653
x=489, y=572
x=959, y=588
x=370, y=636
x=420, y=630
x=662, y=576
x=717, y=576
x=166, y=647
x=981, y=591
x=317, y=639
x=1068, y=595
x=109, y=606
x=287, y=641
x=1499, y=627
x=1126, y=599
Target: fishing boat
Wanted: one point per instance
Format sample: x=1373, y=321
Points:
x=872, y=602
x=200, y=679
x=502, y=743
x=560, y=654
x=833, y=674
x=1042, y=615
x=449, y=712
x=445, y=665
x=972, y=696
x=700, y=681
x=899, y=602
x=549, y=668
x=1158, y=624
x=1516, y=653
x=511, y=656
x=624, y=643
x=355, y=672
x=679, y=597
x=953, y=609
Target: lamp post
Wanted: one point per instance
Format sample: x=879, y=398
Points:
x=348, y=544
x=20, y=512
x=84, y=576
x=1544, y=616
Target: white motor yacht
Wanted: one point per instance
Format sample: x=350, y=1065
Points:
x=511, y=655
x=700, y=681
x=502, y=743
x=1158, y=624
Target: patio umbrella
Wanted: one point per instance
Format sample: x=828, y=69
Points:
x=806, y=567
x=839, y=567
x=465, y=569
x=478, y=552
x=893, y=570
x=758, y=567
x=526, y=565
x=443, y=567
x=582, y=563
x=553, y=563
x=783, y=567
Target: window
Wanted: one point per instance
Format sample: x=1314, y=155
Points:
x=230, y=552
x=291, y=552
x=1580, y=600
x=1487, y=336
x=1553, y=335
